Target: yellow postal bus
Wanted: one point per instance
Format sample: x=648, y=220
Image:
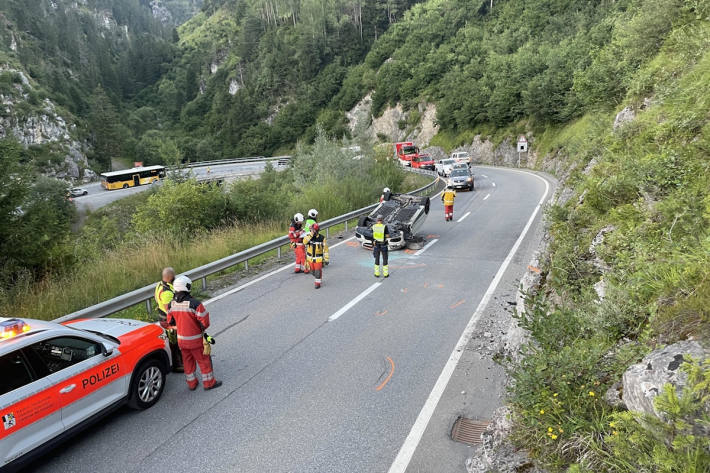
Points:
x=132, y=177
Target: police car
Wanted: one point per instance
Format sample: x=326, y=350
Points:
x=57, y=378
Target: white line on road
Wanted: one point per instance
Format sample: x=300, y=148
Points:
x=405, y=454
x=484, y=176
x=426, y=247
x=464, y=216
x=487, y=196
x=494, y=184
x=259, y=279
x=350, y=304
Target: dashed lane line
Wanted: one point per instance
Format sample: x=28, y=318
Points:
x=464, y=216
x=486, y=197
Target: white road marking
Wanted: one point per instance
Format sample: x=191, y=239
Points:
x=487, y=196
x=484, y=176
x=494, y=184
x=406, y=452
x=259, y=279
x=350, y=304
x=426, y=247
x=464, y=216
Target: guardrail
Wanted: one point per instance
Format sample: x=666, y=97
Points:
x=145, y=294
x=254, y=159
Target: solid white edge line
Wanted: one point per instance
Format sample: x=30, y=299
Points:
x=406, y=452
x=426, y=247
x=464, y=216
x=350, y=304
x=487, y=196
x=259, y=279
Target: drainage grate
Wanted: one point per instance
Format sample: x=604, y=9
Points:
x=468, y=431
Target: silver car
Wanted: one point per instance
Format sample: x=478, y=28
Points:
x=461, y=179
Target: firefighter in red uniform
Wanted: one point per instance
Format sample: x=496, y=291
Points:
x=296, y=234
x=191, y=319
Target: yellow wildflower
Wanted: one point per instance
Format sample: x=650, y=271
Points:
x=549, y=429
x=615, y=432
x=612, y=424
x=591, y=393
x=554, y=395
x=542, y=411
x=553, y=437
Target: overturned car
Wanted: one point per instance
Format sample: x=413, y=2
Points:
x=404, y=216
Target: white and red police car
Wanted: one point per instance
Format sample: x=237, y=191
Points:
x=57, y=378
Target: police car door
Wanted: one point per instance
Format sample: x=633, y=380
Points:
x=29, y=411
x=86, y=377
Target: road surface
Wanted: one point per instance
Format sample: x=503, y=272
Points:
x=99, y=197
x=337, y=379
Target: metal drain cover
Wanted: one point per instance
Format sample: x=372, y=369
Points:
x=468, y=431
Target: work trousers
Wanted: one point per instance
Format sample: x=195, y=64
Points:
x=192, y=356
x=317, y=268
x=380, y=248
x=300, y=252
x=448, y=212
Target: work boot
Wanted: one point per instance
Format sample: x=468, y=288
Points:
x=215, y=385
x=386, y=271
x=377, y=270
x=317, y=285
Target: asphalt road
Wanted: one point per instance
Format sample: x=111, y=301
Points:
x=310, y=387
x=99, y=197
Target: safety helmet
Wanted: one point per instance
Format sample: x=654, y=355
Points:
x=298, y=218
x=313, y=213
x=315, y=227
x=182, y=284
x=386, y=190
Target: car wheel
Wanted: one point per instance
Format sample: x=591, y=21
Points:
x=363, y=221
x=125, y=186
x=147, y=385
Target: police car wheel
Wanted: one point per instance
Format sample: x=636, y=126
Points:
x=148, y=384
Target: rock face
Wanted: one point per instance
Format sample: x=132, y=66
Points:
x=644, y=381
x=483, y=151
x=495, y=453
x=42, y=126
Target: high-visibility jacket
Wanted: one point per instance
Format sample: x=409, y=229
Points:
x=295, y=233
x=307, y=226
x=190, y=318
x=380, y=232
x=448, y=197
x=163, y=295
x=316, y=248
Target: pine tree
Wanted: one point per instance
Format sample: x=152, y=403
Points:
x=105, y=130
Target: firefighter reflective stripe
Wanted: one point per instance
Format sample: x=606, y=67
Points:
x=189, y=337
x=190, y=376
x=378, y=232
x=207, y=377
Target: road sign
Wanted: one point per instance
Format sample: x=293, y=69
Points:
x=522, y=144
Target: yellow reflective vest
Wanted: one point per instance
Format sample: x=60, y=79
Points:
x=163, y=295
x=448, y=197
x=379, y=232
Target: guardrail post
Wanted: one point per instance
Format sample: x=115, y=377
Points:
x=327, y=232
x=246, y=265
x=278, y=253
x=147, y=306
x=346, y=226
x=204, y=283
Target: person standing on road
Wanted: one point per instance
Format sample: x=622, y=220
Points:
x=317, y=253
x=447, y=197
x=191, y=319
x=295, y=235
x=380, y=238
x=312, y=218
x=163, y=295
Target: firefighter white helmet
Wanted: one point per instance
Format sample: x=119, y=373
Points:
x=182, y=284
x=386, y=190
x=298, y=218
x=313, y=213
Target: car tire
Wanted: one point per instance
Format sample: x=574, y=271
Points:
x=85, y=193
x=147, y=384
x=363, y=221
x=125, y=186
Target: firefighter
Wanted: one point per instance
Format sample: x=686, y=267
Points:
x=316, y=253
x=295, y=235
x=447, y=197
x=380, y=237
x=191, y=319
x=312, y=218
x=386, y=194
x=163, y=295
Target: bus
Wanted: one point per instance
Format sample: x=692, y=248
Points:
x=132, y=177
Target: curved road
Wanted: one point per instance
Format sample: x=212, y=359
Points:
x=99, y=197
x=331, y=380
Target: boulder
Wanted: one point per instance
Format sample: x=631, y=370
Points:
x=89, y=176
x=623, y=117
x=642, y=382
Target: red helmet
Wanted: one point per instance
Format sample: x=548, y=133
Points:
x=315, y=227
